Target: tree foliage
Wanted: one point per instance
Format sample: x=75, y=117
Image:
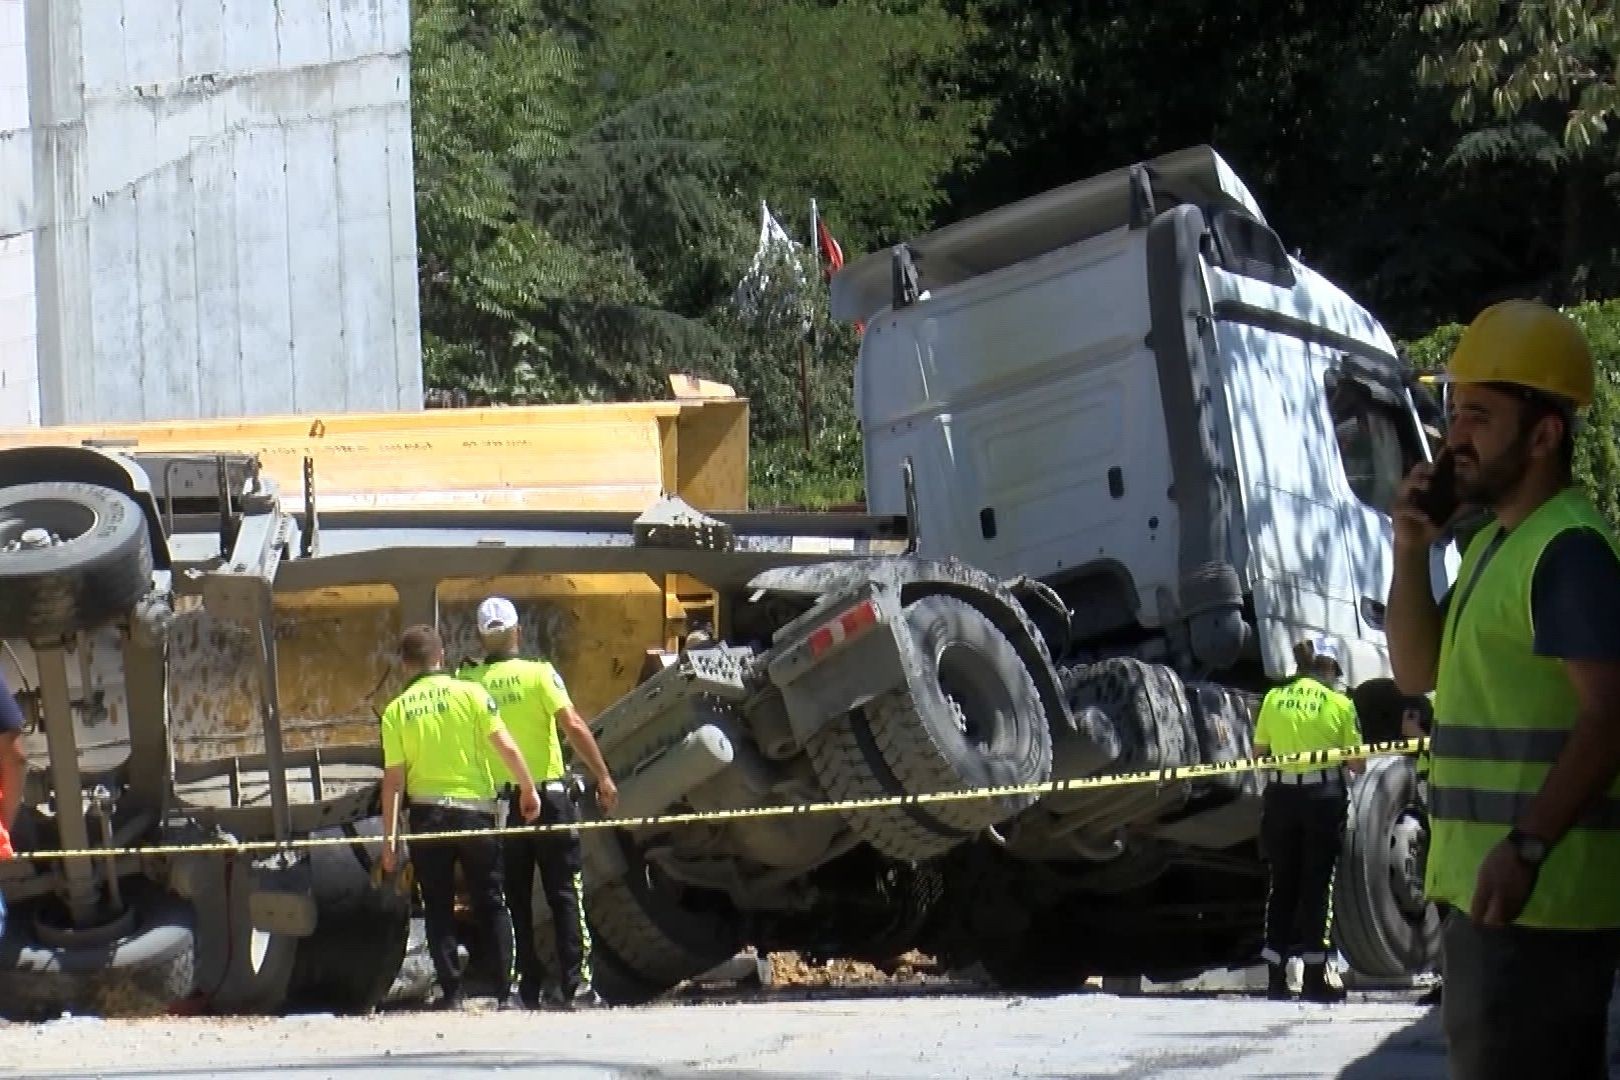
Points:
x=590, y=171
x=1534, y=84
x=1503, y=57
x=849, y=103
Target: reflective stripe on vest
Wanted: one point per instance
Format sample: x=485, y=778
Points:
x=1502, y=716
x=1505, y=808
x=1499, y=744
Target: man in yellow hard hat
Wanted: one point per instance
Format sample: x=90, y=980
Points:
x=1523, y=655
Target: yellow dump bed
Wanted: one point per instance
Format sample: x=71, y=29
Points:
x=553, y=457
x=335, y=645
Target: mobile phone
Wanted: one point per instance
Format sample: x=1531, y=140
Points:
x=1439, y=502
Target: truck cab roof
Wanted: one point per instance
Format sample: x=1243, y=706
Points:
x=1041, y=223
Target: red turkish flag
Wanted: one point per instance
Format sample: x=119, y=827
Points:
x=829, y=248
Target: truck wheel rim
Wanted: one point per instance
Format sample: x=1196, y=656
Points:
x=1408, y=850
x=978, y=698
x=43, y=523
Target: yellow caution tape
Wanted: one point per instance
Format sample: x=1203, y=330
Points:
x=1309, y=759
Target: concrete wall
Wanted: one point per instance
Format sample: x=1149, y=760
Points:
x=206, y=209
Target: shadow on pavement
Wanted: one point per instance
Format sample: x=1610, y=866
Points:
x=1416, y=1052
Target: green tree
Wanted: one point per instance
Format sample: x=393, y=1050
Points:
x=590, y=174
x=1503, y=56
x=1317, y=106
x=486, y=100
x=1534, y=83
x=849, y=103
x=548, y=225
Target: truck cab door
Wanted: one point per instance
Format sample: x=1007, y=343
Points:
x=1324, y=439
x=1302, y=536
x=1380, y=437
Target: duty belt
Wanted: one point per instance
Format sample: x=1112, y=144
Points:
x=1308, y=779
x=446, y=802
x=553, y=787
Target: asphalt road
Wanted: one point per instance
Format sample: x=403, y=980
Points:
x=1086, y=1035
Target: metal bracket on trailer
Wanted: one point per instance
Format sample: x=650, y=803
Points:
x=720, y=672
x=242, y=590
x=672, y=522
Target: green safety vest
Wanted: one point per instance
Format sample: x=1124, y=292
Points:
x=1306, y=715
x=438, y=729
x=530, y=694
x=1502, y=715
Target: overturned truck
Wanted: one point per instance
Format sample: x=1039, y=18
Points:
x=1121, y=452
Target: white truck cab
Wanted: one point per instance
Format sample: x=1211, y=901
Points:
x=1128, y=389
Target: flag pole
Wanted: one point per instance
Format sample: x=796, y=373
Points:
x=804, y=339
x=815, y=235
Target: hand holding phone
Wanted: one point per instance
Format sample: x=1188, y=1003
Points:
x=1439, y=501
x=1426, y=503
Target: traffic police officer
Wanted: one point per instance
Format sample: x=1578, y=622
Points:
x=434, y=739
x=534, y=703
x=1302, y=823
x=1523, y=656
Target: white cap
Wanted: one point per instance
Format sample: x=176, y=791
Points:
x=1327, y=649
x=496, y=614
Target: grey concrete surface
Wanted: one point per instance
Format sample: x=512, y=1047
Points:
x=1086, y=1035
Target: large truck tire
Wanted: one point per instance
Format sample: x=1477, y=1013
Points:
x=350, y=963
x=644, y=943
x=974, y=720
x=1128, y=716
x=240, y=968
x=93, y=564
x=1224, y=721
x=414, y=982
x=141, y=973
x=1152, y=723
x=274, y=958
x=1382, y=922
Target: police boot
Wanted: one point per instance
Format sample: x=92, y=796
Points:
x=1277, y=982
x=1316, y=987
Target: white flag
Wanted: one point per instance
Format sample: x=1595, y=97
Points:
x=776, y=282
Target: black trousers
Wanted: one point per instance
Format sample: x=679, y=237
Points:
x=557, y=858
x=1302, y=830
x=1527, y=1002
x=480, y=861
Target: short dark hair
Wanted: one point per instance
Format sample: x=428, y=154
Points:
x=1304, y=653
x=1543, y=405
x=420, y=645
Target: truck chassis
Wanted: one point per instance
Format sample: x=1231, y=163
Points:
x=844, y=666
